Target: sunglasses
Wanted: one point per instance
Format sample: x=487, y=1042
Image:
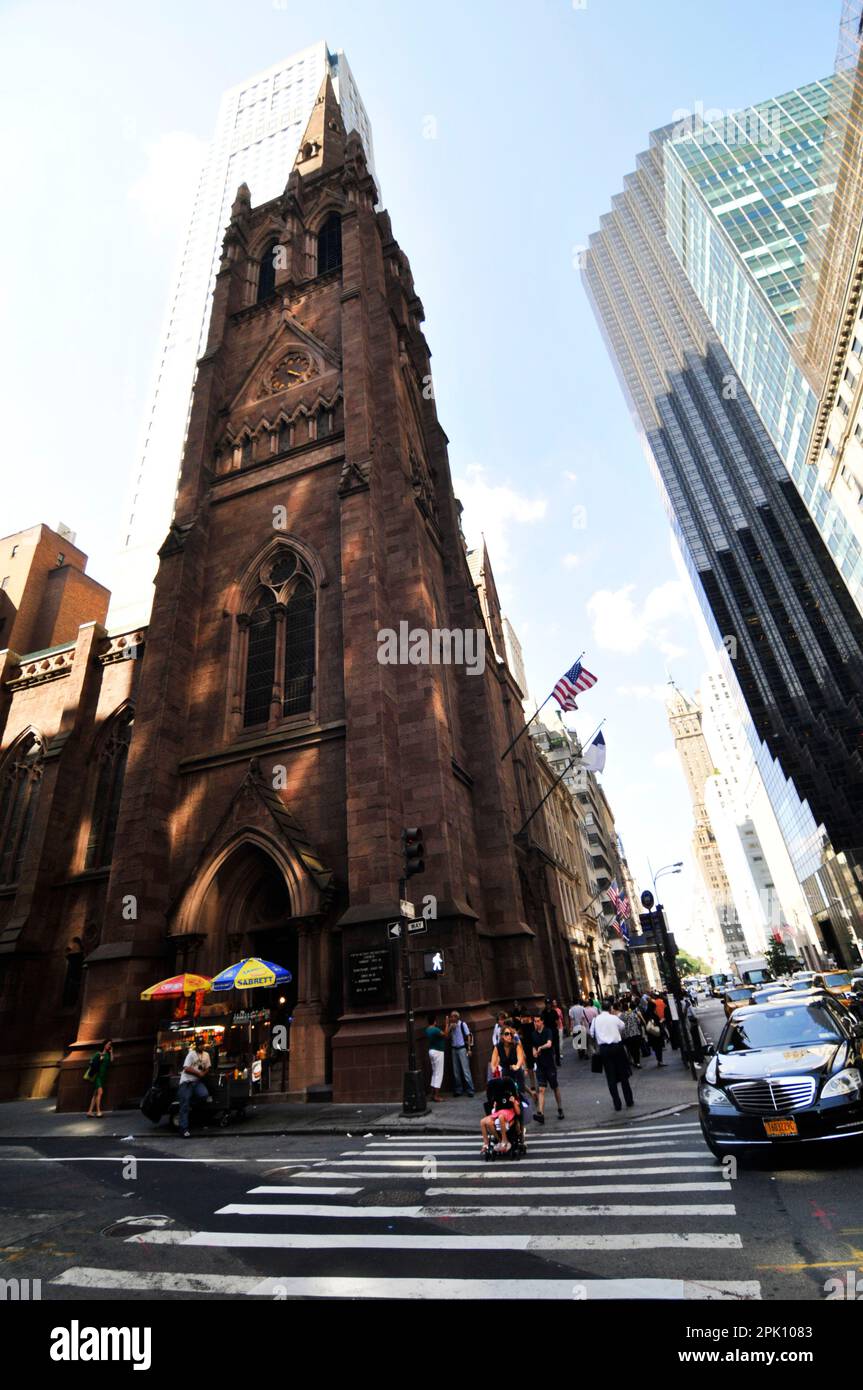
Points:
x=507, y=1035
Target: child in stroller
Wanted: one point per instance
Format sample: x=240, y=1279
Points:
x=504, y=1107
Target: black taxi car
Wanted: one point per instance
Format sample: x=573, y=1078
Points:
x=784, y=1072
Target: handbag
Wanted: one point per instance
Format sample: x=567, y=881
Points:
x=653, y=1030
x=596, y=1063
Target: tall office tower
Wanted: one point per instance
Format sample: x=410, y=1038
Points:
x=774, y=600
x=831, y=314
x=684, y=720
x=742, y=199
x=256, y=140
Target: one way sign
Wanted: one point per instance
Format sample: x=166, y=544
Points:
x=394, y=931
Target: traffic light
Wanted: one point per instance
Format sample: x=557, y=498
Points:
x=433, y=964
x=414, y=851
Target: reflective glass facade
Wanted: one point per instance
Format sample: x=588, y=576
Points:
x=741, y=197
x=772, y=595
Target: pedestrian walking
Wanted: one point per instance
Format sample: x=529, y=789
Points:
x=655, y=1030
x=578, y=1028
x=561, y=1027
x=550, y=1021
x=523, y=1033
x=546, y=1072
x=97, y=1074
x=608, y=1032
x=436, y=1038
x=496, y=1030
x=192, y=1083
x=461, y=1041
x=633, y=1034
x=508, y=1059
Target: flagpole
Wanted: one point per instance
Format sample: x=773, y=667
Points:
x=593, y=735
x=576, y=757
x=510, y=746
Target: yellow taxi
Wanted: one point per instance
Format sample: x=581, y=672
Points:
x=736, y=998
x=837, y=982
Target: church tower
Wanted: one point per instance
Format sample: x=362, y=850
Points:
x=282, y=741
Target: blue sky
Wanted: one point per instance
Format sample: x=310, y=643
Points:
x=536, y=111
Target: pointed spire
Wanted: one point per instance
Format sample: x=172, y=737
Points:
x=322, y=148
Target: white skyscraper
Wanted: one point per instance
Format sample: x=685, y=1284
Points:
x=260, y=125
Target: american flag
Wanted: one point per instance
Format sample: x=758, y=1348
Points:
x=619, y=901
x=576, y=679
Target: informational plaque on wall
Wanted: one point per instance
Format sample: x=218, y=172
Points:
x=370, y=977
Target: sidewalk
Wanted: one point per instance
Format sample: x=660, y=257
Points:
x=586, y=1104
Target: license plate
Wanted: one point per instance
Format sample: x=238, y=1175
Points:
x=780, y=1129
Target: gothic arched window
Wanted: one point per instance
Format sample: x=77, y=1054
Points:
x=280, y=642
x=260, y=659
x=109, y=789
x=267, y=272
x=330, y=244
x=19, y=793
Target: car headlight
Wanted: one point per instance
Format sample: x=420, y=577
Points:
x=711, y=1095
x=844, y=1083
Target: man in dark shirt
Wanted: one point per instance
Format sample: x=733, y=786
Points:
x=546, y=1073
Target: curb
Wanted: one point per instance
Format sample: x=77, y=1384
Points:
x=339, y=1131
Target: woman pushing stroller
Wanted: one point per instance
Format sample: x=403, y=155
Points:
x=504, y=1094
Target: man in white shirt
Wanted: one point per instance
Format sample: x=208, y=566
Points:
x=195, y=1069
x=607, y=1030
x=578, y=1028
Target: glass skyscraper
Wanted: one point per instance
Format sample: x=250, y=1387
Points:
x=775, y=603
x=744, y=207
x=260, y=124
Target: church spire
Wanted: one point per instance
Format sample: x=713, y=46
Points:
x=322, y=148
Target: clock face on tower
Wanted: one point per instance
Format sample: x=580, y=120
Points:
x=294, y=368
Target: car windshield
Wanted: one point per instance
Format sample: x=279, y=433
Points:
x=803, y=984
x=790, y=1026
x=838, y=978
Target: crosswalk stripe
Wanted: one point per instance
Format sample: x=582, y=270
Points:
x=471, y=1213
x=506, y=1170
x=574, y=1137
x=583, y=1189
x=416, y=1162
x=552, y=1147
x=284, y=1240
x=340, y=1286
x=307, y=1191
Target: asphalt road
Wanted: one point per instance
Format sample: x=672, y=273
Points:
x=635, y=1211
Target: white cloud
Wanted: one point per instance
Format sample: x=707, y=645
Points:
x=491, y=509
x=166, y=187
x=619, y=625
x=570, y=476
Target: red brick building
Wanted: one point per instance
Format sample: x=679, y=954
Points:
x=276, y=758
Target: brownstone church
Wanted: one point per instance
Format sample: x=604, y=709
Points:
x=240, y=785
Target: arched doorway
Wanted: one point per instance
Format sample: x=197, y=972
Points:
x=243, y=907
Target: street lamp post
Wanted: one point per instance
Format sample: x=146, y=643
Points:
x=670, y=962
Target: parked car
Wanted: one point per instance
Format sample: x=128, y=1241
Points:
x=768, y=992
x=802, y=981
x=837, y=982
x=735, y=998
x=783, y=1072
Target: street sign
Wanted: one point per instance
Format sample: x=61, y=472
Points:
x=407, y=909
x=394, y=930
x=420, y=925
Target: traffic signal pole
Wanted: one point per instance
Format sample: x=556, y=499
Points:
x=414, y=1092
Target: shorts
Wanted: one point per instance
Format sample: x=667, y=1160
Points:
x=546, y=1076
x=508, y=1115
x=436, y=1059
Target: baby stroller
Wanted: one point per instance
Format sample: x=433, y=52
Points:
x=505, y=1092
